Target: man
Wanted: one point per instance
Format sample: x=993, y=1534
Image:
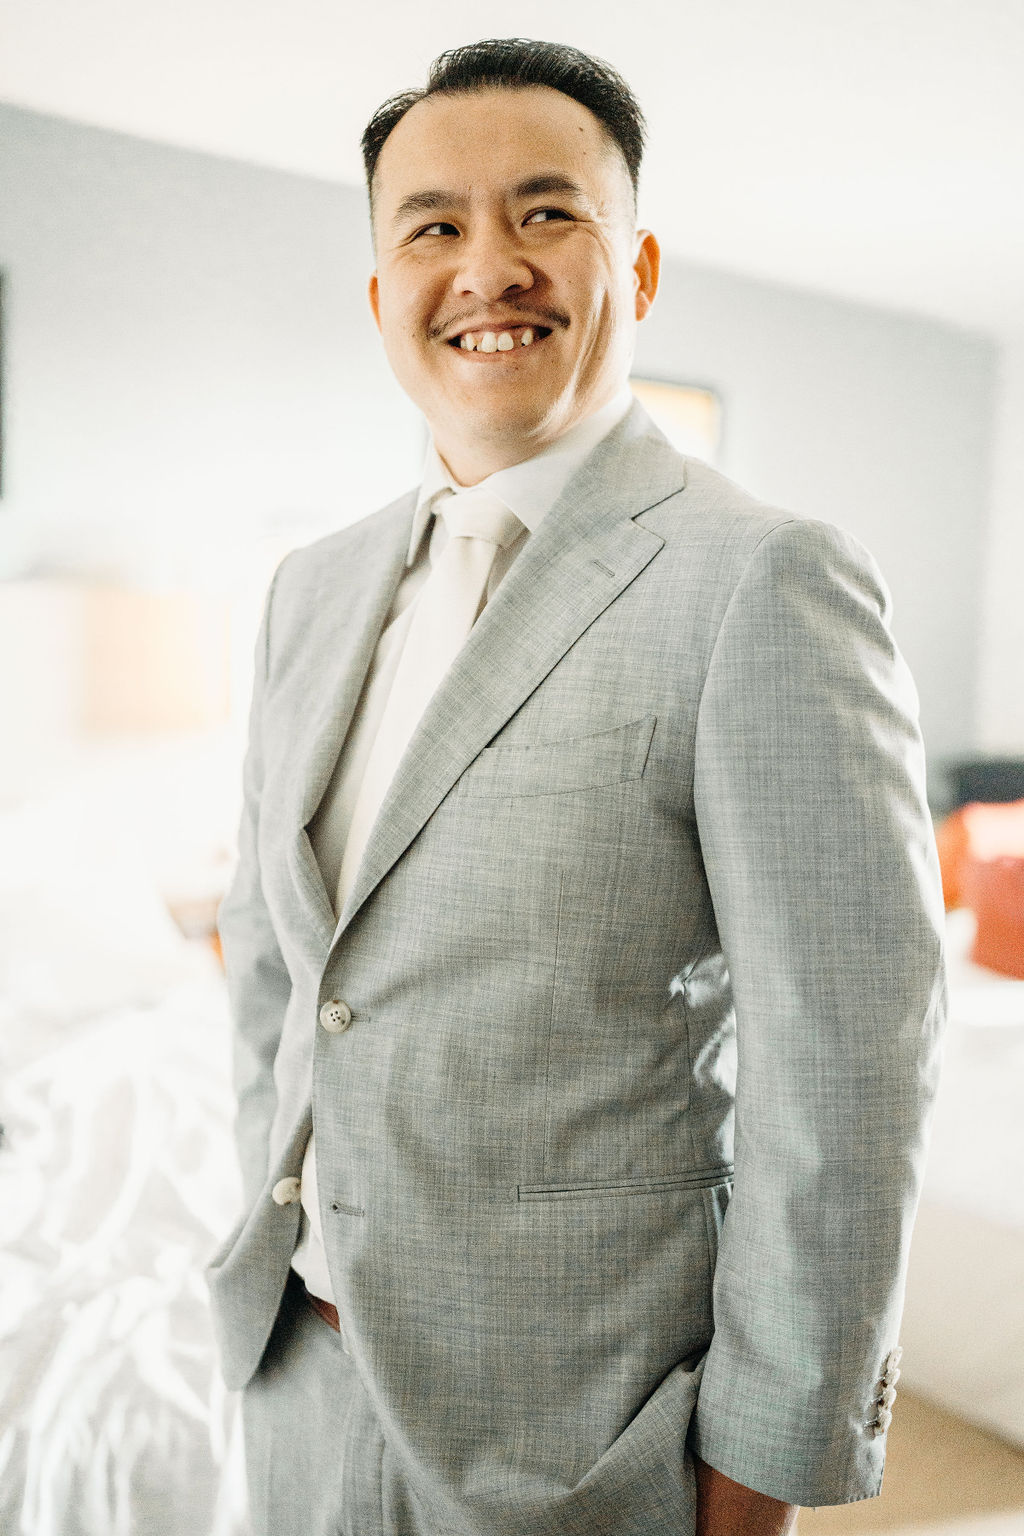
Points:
x=584, y=946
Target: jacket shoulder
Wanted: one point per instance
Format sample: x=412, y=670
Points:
x=305, y=570
x=711, y=505
x=713, y=513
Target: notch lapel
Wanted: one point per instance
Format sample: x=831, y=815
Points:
x=586, y=551
x=349, y=619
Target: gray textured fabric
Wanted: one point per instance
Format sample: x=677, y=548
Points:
x=652, y=895
x=310, y=1433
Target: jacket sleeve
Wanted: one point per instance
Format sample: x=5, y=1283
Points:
x=821, y=863
x=258, y=981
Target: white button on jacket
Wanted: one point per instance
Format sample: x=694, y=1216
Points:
x=286, y=1191
x=335, y=1016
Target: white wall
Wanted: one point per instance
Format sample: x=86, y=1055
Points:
x=191, y=368
x=191, y=360
x=1001, y=672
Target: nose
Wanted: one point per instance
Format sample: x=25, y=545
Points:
x=491, y=263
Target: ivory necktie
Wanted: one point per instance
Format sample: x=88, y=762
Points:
x=446, y=609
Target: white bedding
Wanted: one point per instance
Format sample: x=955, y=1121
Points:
x=117, y=1177
x=963, y=1324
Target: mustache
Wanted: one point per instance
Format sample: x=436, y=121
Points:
x=533, y=316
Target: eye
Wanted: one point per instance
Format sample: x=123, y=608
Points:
x=544, y=215
x=439, y=228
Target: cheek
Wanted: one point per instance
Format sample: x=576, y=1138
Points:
x=405, y=306
x=599, y=290
x=604, y=321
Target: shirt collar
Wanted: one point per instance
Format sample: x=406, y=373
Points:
x=529, y=489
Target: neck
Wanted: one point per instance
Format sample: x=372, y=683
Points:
x=469, y=463
x=471, y=458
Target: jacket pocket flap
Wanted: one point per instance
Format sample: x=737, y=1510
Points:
x=696, y=1178
x=552, y=767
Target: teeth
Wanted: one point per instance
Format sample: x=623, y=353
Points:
x=489, y=342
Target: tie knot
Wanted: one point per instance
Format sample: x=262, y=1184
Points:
x=476, y=514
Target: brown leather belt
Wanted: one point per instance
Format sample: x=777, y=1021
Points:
x=327, y=1311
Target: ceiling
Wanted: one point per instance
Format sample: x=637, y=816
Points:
x=872, y=149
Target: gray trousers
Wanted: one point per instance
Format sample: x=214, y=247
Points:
x=316, y=1461
x=319, y=1465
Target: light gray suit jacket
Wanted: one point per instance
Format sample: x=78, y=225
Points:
x=621, y=1151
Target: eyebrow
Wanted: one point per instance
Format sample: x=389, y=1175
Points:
x=437, y=199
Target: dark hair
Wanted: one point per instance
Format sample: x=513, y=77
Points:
x=516, y=64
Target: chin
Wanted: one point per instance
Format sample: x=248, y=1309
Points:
x=523, y=434
x=531, y=415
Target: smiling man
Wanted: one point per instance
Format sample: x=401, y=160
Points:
x=584, y=944
x=508, y=297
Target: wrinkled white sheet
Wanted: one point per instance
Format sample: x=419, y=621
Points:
x=117, y=1179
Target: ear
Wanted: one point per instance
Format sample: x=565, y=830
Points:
x=646, y=268
x=374, y=297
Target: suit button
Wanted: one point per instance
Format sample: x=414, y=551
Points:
x=286, y=1191
x=335, y=1016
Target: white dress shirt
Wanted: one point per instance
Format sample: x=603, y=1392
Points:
x=530, y=490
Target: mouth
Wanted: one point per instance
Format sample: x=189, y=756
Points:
x=499, y=342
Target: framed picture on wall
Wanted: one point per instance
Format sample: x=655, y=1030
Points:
x=689, y=415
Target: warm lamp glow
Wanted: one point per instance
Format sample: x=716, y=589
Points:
x=153, y=662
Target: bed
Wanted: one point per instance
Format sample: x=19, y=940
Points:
x=117, y=1176
x=963, y=1323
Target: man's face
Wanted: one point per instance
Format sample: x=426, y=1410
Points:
x=500, y=216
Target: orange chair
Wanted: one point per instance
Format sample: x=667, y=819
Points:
x=981, y=855
x=951, y=838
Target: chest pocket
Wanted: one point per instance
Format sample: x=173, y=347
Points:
x=606, y=757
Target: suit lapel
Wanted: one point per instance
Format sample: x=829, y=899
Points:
x=586, y=551
x=351, y=617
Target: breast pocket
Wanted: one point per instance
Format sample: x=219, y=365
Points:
x=612, y=756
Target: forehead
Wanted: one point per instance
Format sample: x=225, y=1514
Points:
x=494, y=138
